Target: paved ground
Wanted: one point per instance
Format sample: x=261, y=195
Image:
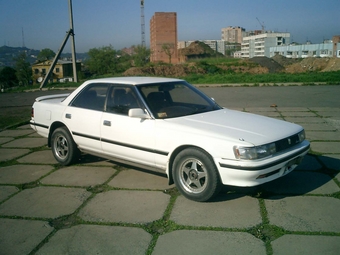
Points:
x=99, y=207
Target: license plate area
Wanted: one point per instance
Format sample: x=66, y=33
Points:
x=291, y=165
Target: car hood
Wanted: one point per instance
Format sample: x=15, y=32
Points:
x=236, y=125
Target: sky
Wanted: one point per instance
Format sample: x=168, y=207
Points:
x=40, y=24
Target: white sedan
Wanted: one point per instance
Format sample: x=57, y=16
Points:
x=169, y=125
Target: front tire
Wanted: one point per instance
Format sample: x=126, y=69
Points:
x=195, y=175
x=64, y=149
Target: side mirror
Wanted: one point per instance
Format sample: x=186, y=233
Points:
x=138, y=113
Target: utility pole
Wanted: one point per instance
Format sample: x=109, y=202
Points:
x=142, y=22
x=74, y=61
x=73, y=45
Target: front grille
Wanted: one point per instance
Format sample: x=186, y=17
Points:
x=286, y=143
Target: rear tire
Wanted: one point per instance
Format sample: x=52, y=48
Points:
x=195, y=175
x=64, y=149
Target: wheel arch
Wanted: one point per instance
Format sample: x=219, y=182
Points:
x=175, y=153
x=53, y=127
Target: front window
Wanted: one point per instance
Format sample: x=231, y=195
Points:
x=175, y=99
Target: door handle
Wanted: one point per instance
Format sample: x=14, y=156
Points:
x=107, y=123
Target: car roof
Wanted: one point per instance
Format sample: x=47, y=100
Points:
x=135, y=80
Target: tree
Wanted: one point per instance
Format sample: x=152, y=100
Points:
x=23, y=69
x=45, y=54
x=8, y=78
x=102, y=60
x=141, y=56
x=169, y=50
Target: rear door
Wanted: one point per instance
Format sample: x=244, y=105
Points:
x=83, y=116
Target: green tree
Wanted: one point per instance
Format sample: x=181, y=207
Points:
x=45, y=54
x=23, y=69
x=141, y=55
x=8, y=78
x=169, y=50
x=103, y=60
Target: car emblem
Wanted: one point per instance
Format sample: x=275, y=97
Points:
x=289, y=141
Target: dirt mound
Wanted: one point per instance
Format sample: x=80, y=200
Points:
x=197, y=48
x=282, y=60
x=269, y=63
x=309, y=65
x=333, y=65
x=164, y=70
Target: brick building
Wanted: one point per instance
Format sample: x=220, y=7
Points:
x=163, y=37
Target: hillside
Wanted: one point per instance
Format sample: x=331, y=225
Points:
x=8, y=55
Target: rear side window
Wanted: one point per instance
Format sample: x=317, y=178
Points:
x=92, y=97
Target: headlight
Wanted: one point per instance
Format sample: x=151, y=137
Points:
x=257, y=152
x=302, y=136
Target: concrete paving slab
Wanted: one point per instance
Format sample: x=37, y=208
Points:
x=325, y=109
x=269, y=114
x=27, y=126
x=9, y=154
x=134, y=179
x=298, y=114
x=306, y=245
x=309, y=163
x=326, y=147
x=322, y=136
x=208, y=242
x=26, y=143
x=331, y=161
x=42, y=157
x=79, y=176
x=19, y=174
x=302, y=183
x=335, y=122
x=5, y=139
x=126, y=206
x=305, y=119
x=318, y=127
x=6, y=191
x=19, y=237
x=260, y=109
x=44, y=202
x=89, y=239
x=16, y=132
x=234, y=211
x=307, y=213
x=331, y=113
x=293, y=109
x=337, y=176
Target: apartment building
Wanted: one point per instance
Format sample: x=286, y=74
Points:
x=327, y=49
x=163, y=37
x=232, y=34
x=259, y=45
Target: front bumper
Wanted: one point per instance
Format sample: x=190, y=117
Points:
x=252, y=173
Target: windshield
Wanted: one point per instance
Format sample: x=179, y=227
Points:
x=175, y=99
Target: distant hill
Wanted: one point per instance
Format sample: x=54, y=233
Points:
x=8, y=54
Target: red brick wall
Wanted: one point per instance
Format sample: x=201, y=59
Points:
x=163, y=31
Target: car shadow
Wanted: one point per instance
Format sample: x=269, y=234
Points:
x=315, y=175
